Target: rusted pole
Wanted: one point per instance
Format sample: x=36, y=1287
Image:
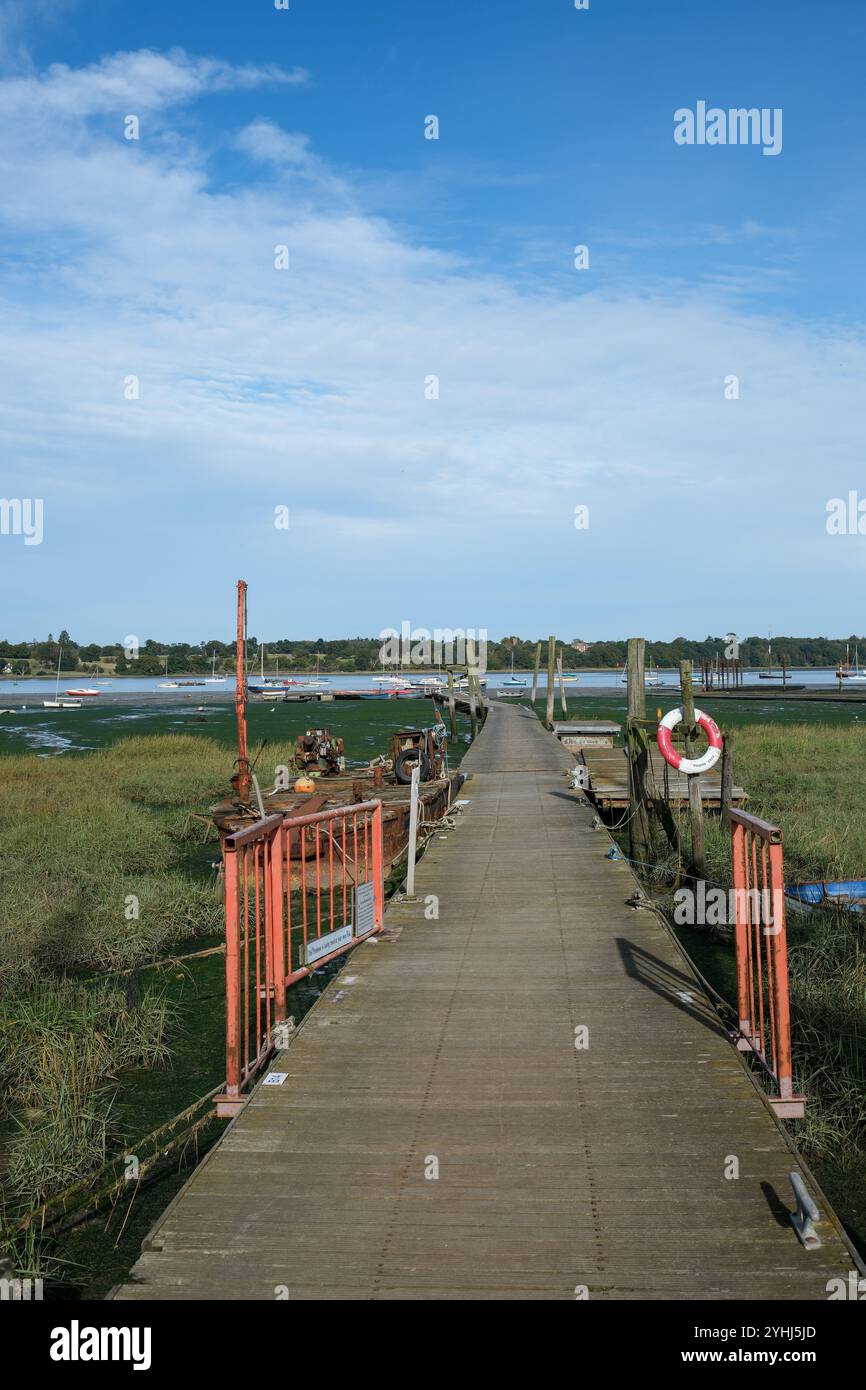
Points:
x=551, y=679
x=535, y=672
x=696, y=810
x=241, y=696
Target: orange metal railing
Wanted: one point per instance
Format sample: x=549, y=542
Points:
x=761, y=942
x=299, y=890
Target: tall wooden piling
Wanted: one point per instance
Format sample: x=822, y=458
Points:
x=638, y=822
x=472, y=684
x=452, y=707
x=696, y=810
x=562, y=702
x=551, y=679
x=727, y=792
x=536, y=671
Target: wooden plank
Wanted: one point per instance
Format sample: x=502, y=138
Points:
x=453, y=1040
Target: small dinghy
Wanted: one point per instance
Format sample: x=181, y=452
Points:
x=849, y=894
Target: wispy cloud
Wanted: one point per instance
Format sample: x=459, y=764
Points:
x=310, y=386
x=140, y=81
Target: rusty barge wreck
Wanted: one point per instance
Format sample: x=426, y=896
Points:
x=319, y=782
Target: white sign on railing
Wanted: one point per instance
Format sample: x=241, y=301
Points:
x=324, y=945
x=365, y=904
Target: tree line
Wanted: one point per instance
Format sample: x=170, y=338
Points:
x=362, y=654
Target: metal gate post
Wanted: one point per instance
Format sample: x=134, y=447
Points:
x=377, y=868
x=230, y=1102
x=275, y=922
x=784, y=1062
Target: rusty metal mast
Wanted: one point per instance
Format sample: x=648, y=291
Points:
x=243, y=762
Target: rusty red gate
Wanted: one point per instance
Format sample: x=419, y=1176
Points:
x=760, y=934
x=299, y=890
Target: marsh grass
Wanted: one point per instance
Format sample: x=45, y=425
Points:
x=80, y=836
x=810, y=780
x=81, y=841
x=63, y=1042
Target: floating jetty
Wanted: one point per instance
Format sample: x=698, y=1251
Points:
x=609, y=780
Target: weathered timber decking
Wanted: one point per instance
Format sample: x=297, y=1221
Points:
x=453, y=1040
x=608, y=779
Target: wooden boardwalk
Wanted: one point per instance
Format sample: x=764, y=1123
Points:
x=608, y=779
x=439, y=1136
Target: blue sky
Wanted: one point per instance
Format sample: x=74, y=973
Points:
x=410, y=258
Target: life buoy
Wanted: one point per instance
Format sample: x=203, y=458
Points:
x=689, y=765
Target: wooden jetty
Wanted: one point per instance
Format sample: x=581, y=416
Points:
x=815, y=695
x=519, y=1092
x=608, y=780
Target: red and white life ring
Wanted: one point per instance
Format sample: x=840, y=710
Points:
x=689, y=765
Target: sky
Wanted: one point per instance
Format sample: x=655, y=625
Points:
x=282, y=302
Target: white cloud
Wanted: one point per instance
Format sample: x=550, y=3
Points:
x=306, y=387
x=266, y=142
x=140, y=81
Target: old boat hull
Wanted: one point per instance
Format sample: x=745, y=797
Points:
x=435, y=797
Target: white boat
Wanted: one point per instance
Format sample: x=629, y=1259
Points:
x=651, y=678
x=213, y=678
x=167, y=684
x=858, y=673
x=57, y=703
x=315, y=682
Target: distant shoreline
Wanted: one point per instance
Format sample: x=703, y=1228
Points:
x=412, y=672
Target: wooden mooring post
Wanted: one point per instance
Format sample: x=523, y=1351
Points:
x=536, y=671
x=452, y=708
x=551, y=679
x=696, y=810
x=562, y=701
x=727, y=792
x=470, y=676
x=638, y=821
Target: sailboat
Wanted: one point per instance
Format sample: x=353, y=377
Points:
x=858, y=673
x=57, y=703
x=317, y=681
x=167, y=684
x=512, y=679
x=651, y=677
x=769, y=674
x=213, y=678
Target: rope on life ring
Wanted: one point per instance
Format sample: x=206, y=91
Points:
x=689, y=766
